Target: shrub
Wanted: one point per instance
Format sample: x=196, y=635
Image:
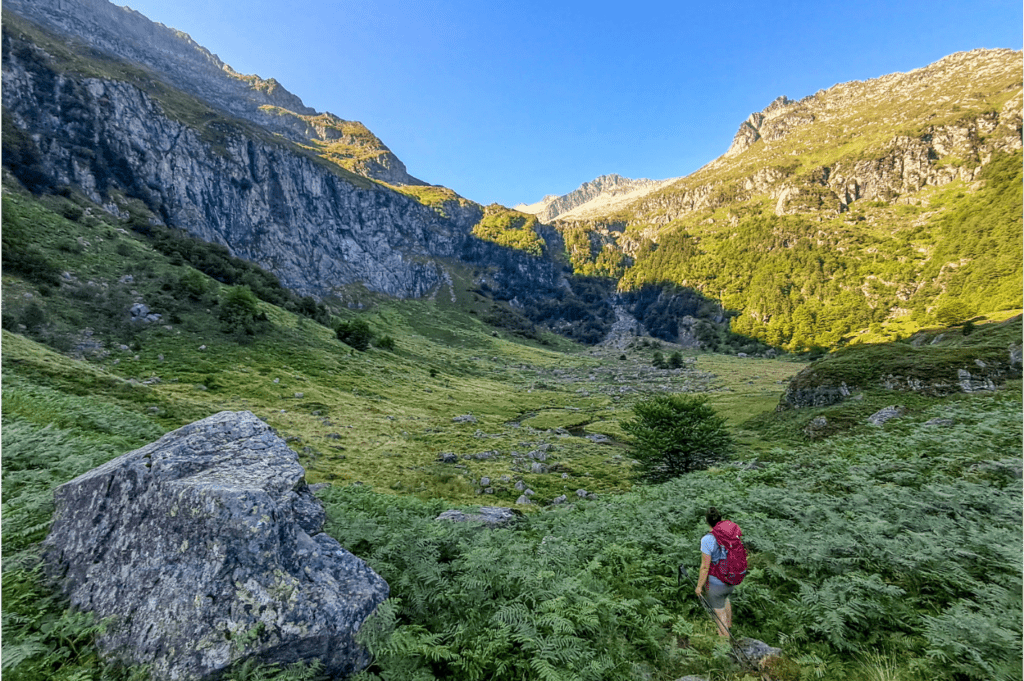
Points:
x=658, y=361
x=676, y=434
x=355, y=333
x=675, y=360
x=385, y=343
x=952, y=312
x=239, y=311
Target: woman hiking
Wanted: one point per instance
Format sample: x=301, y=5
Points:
x=719, y=570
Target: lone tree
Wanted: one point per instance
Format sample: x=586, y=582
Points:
x=355, y=333
x=676, y=434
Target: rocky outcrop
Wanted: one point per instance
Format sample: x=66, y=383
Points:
x=773, y=123
x=930, y=371
x=205, y=548
x=188, y=66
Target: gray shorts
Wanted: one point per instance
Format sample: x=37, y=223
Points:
x=718, y=594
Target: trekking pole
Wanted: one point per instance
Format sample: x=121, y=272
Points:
x=683, y=572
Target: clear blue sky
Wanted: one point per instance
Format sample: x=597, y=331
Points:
x=508, y=101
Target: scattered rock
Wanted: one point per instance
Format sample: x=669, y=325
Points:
x=447, y=457
x=520, y=485
x=939, y=422
x=523, y=500
x=485, y=481
x=299, y=396
x=581, y=493
x=559, y=499
x=465, y=418
x=538, y=468
x=887, y=414
x=754, y=650
x=598, y=439
x=205, y=548
x=492, y=516
x=817, y=428
x=969, y=383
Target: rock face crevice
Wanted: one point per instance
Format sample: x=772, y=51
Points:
x=205, y=548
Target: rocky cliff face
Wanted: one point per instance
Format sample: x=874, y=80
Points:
x=595, y=197
x=189, y=67
x=294, y=214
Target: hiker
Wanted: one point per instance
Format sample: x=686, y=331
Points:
x=716, y=572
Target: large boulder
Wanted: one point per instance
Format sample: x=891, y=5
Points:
x=205, y=548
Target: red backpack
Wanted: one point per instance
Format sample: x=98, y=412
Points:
x=733, y=568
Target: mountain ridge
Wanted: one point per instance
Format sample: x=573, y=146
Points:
x=185, y=64
x=601, y=194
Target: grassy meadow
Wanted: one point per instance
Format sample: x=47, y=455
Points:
x=887, y=552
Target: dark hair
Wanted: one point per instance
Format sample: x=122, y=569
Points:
x=713, y=517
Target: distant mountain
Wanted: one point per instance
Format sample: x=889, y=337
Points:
x=597, y=197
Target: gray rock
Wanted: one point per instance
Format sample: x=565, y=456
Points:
x=485, y=481
x=1016, y=357
x=887, y=414
x=581, y=493
x=754, y=650
x=560, y=499
x=523, y=500
x=939, y=422
x=491, y=516
x=598, y=439
x=206, y=549
x=138, y=311
x=520, y=485
x=465, y=418
x=538, y=468
x=447, y=457
x=817, y=428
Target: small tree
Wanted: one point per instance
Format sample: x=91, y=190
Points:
x=675, y=360
x=355, y=333
x=239, y=311
x=676, y=434
x=658, y=361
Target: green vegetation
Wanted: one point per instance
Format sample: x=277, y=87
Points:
x=510, y=228
x=799, y=282
x=355, y=333
x=902, y=542
x=676, y=434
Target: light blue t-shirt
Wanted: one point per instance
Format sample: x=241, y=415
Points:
x=709, y=546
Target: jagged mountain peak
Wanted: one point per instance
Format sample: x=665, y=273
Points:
x=600, y=195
